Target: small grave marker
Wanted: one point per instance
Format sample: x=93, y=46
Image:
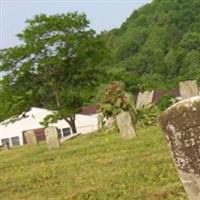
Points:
x=144, y=99
x=125, y=124
x=188, y=89
x=52, y=139
x=30, y=137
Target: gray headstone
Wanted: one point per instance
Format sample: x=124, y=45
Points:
x=181, y=123
x=100, y=121
x=125, y=124
x=6, y=145
x=144, y=99
x=188, y=89
x=52, y=139
x=30, y=137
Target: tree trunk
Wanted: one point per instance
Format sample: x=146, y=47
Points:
x=71, y=122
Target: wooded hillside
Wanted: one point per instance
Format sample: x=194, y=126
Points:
x=157, y=46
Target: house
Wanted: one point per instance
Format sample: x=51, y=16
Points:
x=11, y=131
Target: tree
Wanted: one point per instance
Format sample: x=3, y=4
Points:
x=56, y=67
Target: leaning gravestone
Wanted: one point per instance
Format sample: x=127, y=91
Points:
x=125, y=124
x=144, y=99
x=188, y=89
x=52, y=139
x=30, y=137
x=181, y=123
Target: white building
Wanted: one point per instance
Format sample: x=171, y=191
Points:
x=12, y=132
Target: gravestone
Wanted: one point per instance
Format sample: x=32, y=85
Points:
x=52, y=139
x=6, y=145
x=188, y=89
x=125, y=124
x=144, y=99
x=100, y=121
x=30, y=137
x=181, y=123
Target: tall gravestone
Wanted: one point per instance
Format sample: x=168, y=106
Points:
x=52, y=139
x=181, y=123
x=100, y=121
x=125, y=124
x=30, y=137
x=188, y=89
x=144, y=99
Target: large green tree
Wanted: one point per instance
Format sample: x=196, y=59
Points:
x=57, y=66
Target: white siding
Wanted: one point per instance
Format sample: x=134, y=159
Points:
x=84, y=124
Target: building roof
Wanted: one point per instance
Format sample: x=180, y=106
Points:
x=89, y=110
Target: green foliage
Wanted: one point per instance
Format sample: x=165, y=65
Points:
x=114, y=99
x=147, y=116
x=57, y=66
x=165, y=101
x=157, y=46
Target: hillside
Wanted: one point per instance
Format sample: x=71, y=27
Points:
x=157, y=46
x=95, y=166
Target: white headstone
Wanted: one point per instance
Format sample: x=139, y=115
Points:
x=188, y=89
x=144, y=99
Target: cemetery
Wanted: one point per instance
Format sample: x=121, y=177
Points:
x=178, y=164
x=104, y=113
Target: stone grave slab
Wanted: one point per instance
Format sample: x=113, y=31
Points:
x=181, y=124
x=144, y=99
x=6, y=145
x=125, y=124
x=188, y=89
x=30, y=137
x=52, y=138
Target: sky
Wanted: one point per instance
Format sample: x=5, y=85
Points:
x=103, y=14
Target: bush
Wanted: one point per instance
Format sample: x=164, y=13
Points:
x=165, y=102
x=147, y=116
x=114, y=99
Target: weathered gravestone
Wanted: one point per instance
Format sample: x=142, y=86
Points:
x=52, y=139
x=188, y=89
x=181, y=123
x=6, y=145
x=30, y=138
x=125, y=124
x=144, y=99
x=100, y=121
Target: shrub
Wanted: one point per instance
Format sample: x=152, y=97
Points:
x=147, y=116
x=165, y=101
x=114, y=99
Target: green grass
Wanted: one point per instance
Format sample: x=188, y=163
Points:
x=95, y=166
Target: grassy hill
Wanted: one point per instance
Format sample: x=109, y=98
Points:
x=95, y=167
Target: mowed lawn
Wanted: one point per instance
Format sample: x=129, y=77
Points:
x=95, y=166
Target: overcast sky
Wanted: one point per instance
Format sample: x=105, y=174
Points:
x=103, y=15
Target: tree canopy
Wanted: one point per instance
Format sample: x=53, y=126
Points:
x=157, y=46
x=57, y=66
